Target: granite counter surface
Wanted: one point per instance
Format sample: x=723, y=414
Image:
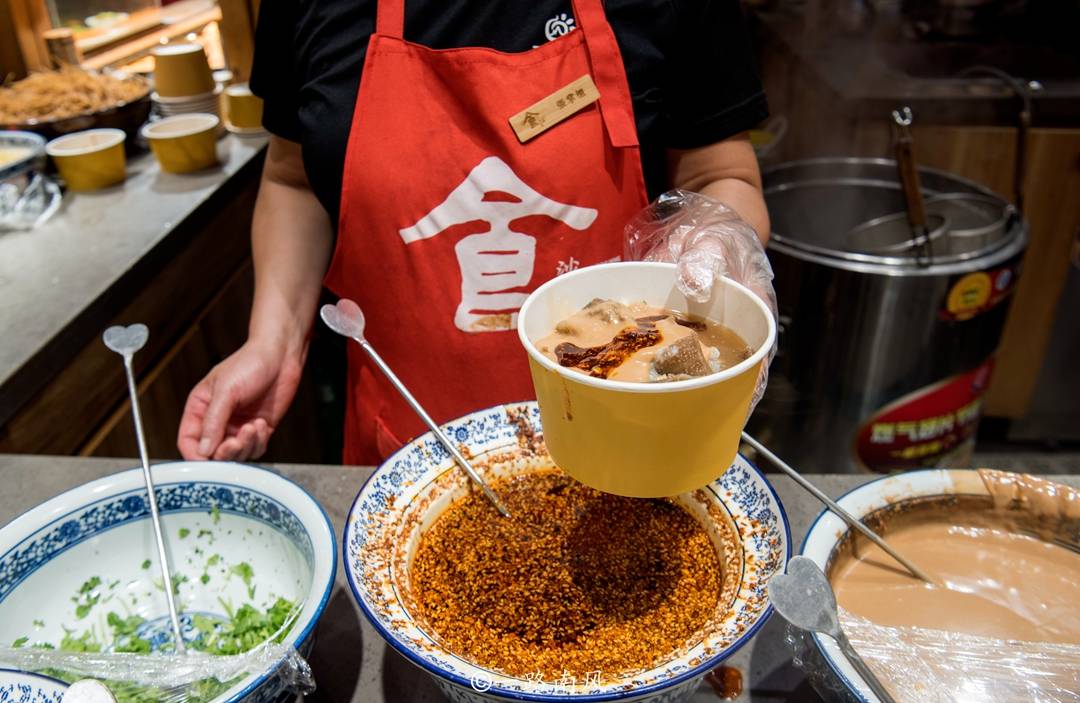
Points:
x=58, y=282
x=350, y=661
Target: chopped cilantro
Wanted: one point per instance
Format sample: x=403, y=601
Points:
x=242, y=629
x=90, y=584
x=85, y=599
x=146, y=564
x=184, y=532
x=246, y=574
x=86, y=643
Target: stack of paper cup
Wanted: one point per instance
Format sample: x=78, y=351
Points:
x=183, y=82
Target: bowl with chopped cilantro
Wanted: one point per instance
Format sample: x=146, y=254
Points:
x=253, y=561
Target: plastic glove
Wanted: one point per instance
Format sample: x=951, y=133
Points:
x=705, y=239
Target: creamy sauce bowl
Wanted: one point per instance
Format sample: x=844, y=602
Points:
x=998, y=581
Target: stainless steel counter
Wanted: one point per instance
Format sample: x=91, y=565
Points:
x=350, y=661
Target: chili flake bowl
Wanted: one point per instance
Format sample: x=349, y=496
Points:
x=237, y=535
x=405, y=496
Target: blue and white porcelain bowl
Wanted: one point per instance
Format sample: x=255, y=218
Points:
x=828, y=532
x=236, y=535
x=409, y=492
x=23, y=687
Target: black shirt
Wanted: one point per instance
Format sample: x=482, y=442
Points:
x=688, y=63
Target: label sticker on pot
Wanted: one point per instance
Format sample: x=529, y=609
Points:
x=975, y=293
x=934, y=426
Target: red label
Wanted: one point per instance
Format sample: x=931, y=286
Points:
x=930, y=427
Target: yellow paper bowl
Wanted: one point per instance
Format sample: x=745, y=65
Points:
x=181, y=70
x=243, y=108
x=184, y=143
x=643, y=439
x=90, y=159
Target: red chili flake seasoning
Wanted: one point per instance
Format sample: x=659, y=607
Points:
x=576, y=581
x=602, y=360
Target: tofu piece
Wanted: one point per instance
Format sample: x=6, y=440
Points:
x=608, y=311
x=682, y=358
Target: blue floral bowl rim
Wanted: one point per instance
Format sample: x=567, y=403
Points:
x=690, y=673
x=302, y=636
x=33, y=674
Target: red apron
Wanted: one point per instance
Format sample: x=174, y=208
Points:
x=448, y=221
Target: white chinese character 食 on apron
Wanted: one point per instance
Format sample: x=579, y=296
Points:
x=495, y=262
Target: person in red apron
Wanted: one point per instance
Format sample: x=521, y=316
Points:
x=448, y=218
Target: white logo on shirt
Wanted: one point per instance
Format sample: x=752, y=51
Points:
x=558, y=25
x=494, y=263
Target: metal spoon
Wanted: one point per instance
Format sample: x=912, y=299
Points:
x=347, y=319
x=834, y=507
x=125, y=341
x=805, y=598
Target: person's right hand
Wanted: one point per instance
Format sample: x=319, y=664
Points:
x=232, y=412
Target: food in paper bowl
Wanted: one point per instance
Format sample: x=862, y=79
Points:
x=579, y=595
x=632, y=438
x=252, y=554
x=1002, y=549
x=642, y=343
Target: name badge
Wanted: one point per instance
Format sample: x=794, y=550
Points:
x=550, y=111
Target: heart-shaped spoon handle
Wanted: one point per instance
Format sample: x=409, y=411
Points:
x=805, y=598
x=126, y=340
x=347, y=319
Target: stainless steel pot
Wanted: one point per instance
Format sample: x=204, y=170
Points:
x=882, y=362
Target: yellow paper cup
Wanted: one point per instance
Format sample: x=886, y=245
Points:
x=184, y=143
x=643, y=439
x=89, y=160
x=243, y=108
x=181, y=70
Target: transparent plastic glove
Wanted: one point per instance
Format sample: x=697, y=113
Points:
x=705, y=239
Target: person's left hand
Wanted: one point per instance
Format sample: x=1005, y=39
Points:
x=705, y=239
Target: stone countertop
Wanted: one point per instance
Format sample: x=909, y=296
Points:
x=55, y=280
x=351, y=662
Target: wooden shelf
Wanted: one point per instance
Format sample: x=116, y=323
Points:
x=135, y=48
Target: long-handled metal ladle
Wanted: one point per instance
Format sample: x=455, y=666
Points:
x=347, y=319
x=125, y=341
x=805, y=598
x=834, y=507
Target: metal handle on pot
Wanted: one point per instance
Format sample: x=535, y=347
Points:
x=909, y=181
